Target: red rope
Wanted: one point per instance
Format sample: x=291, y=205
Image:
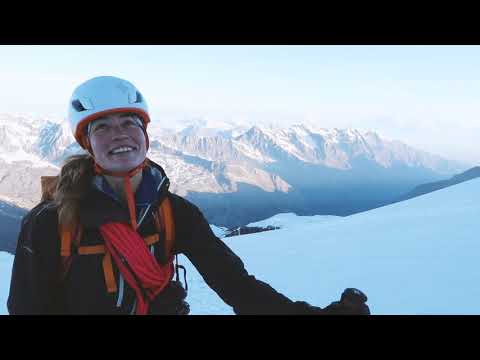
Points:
x=127, y=175
x=143, y=271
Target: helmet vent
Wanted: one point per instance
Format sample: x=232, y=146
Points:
x=77, y=105
x=139, y=98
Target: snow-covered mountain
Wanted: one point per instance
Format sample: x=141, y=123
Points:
x=239, y=174
x=299, y=169
x=419, y=256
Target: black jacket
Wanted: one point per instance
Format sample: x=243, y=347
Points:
x=36, y=287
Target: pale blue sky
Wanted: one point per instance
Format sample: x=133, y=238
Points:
x=426, y=96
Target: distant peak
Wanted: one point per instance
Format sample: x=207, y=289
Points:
x=372, y=134
x=300, y=125
x=256, y=129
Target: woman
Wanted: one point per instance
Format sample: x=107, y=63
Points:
x=106, y=242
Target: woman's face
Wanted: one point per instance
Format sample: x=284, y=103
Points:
x=118, y=142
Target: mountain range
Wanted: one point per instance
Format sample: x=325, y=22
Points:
x=238, y=174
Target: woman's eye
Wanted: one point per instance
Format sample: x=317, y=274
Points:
x=130, y=123
x=100, y=127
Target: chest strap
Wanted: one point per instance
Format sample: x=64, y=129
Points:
x=107, y=260
x=100, y=249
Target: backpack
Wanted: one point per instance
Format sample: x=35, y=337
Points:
x=71, y=235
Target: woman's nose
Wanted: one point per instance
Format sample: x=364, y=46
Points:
x=118, y=131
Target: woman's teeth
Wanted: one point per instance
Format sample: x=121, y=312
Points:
x=122, y=150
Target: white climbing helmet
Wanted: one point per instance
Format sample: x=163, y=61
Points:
x=102, y=96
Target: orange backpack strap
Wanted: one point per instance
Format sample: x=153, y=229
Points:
x=108, y=273
x=73, y=234
x=167, y=223
x=69, y=234
x=66, y=234
x=65, y=250
x=166, y=212
x=152, y=239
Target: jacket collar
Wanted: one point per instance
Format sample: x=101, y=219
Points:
x=102, y=205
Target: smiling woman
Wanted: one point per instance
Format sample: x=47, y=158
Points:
x=118, y=141
x=107, y=241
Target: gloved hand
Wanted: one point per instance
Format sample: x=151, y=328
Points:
x=352, y=302
x=171, y=301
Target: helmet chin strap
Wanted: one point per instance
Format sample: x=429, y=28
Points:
x=127, y=185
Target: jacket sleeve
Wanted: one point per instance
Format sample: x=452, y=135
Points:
x=225, y=272
x=34, y=286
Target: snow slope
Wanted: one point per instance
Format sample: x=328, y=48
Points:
x=419, y=256
x=292, y=220
x=415, y=257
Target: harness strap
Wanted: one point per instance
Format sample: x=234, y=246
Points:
x=107, y=260
x=100, y=249
x=91, y=250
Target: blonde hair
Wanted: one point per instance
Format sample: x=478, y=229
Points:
x=72, y=185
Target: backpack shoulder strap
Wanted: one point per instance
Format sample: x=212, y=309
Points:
x=69, y=234
x=72, y=234
x=165, y=213
x=169, y=225
x=164, y=221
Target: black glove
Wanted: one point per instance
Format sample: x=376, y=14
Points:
x=171, y=301
x=352, y=302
